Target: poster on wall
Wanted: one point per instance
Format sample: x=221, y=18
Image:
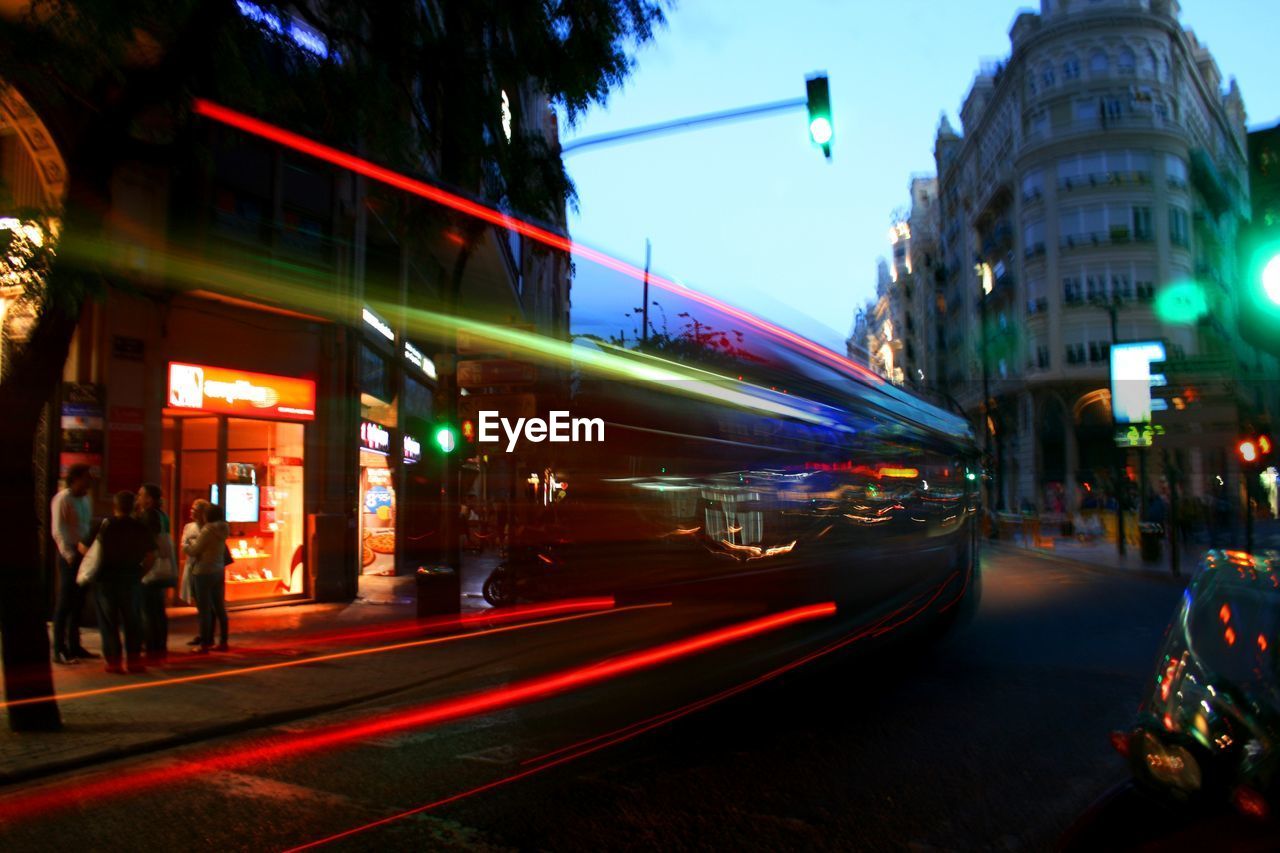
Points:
x=81, y=424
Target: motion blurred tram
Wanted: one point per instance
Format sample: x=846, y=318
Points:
x=758, y=469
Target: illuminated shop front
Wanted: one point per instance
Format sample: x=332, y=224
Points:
x=238, y=439
x=394, y=523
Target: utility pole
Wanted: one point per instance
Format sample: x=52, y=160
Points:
x=1122, y=486
x=644, y=329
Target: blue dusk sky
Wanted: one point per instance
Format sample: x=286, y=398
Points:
x=750, y=211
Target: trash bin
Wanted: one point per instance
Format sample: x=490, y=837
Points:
x=1150, y=536
x=439, y=593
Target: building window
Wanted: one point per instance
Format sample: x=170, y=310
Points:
x=1126, y=62
x=1175, y=169
x=1046, y=75
x=1099, y=351
x=1039, y=123
x=1141, y=223
x=1075, y=353
x=375, y=375
x=1033, y=185
x=1071, y=294
x=1178, y=232
x=1085, y=111
x=1122, y=286
x=1071, y=67
x=1036, y=302
x=1099, y=63
x=1033, y=238
x=1145, y=287
x=1042, y=357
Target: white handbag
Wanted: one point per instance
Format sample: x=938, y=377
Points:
x=92, y=561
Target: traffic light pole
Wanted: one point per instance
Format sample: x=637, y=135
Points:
x=738, y=114
x=1248, y=510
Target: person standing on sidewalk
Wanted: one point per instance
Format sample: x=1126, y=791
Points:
x=155, y=618
x=208, y=575
x=128, y=550
x=70, y=516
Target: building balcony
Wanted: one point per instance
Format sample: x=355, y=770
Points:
x=1115, y=235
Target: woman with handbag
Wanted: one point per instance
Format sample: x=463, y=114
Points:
x=207, y=565
x=162, y=577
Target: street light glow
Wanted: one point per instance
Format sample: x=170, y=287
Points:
x=820, y=130
x=1271, y=279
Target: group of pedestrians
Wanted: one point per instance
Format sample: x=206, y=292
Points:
x=127, y=564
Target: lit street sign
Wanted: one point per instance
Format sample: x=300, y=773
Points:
x=1132, y=379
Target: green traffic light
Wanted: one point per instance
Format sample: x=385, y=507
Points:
x=446, y=439
x=1271, y=279
x=820, y=130
x=818, y=101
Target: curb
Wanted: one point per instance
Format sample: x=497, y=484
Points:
x=172, y=741
x=1141, y=574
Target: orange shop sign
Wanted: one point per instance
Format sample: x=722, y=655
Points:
x=199, y=387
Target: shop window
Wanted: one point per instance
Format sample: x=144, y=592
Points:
x=377, y=516
x=263, y=502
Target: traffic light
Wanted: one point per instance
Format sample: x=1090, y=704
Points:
x=1259, y=308
x=821, y=129
x=445, y=438
x=1254, y=449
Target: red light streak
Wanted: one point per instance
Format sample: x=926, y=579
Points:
x=226, y=673
x=431, y=714
x=1225, y=613
x=360, y=166
x=1230, y=635
x=591, y=745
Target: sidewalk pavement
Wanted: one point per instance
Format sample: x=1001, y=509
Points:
x=102, y=726
x=1101, y=554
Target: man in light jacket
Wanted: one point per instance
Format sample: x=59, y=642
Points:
x=70, y=515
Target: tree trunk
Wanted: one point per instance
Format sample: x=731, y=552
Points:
x=26, y=388
x=32, y=375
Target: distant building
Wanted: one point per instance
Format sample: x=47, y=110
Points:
x=1100, y=164
x=894, y=333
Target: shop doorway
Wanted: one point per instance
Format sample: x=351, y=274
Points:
x=254, y=470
